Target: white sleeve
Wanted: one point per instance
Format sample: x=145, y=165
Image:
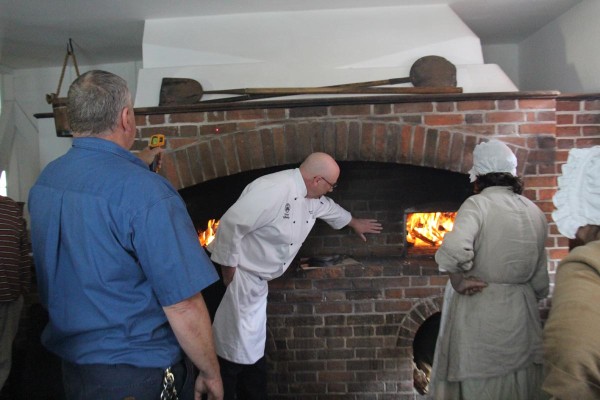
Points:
x=332, y=213
x=456, y=253
x=254, y=209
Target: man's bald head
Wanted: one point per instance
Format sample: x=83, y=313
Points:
x=319, y=167
x=321, y=164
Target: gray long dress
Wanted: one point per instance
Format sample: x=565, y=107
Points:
x=490, y=343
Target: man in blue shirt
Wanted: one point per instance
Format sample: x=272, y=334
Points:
x=119, y=265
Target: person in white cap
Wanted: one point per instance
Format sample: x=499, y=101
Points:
x=490, y=340
x=571, y=345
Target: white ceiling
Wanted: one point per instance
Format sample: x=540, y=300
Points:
x=35, y=33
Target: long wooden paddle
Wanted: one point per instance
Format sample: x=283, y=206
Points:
x=429, y=75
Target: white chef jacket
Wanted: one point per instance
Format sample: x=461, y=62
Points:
x=260, y=235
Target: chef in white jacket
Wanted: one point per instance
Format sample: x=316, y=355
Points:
x=257, y=239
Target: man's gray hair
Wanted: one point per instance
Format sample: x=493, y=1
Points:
x=95, y=102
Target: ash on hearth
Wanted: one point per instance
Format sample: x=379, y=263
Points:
x=324, y=261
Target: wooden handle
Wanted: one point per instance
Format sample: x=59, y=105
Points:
x=342, y=90
x=392, y=81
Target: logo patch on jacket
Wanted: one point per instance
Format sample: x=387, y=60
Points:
x=286, y=214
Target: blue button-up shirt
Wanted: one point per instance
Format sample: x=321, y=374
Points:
x=113, y=244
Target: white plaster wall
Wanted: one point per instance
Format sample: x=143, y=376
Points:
x=506, y=56
x=309, y=49
x=564, y=55
x=35, y=143
x=337, y=39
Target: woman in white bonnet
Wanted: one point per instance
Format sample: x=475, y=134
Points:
x=490, y=340
x=572, y=332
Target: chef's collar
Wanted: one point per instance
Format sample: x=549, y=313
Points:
x=299, y=183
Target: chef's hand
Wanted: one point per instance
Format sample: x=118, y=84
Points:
x=467, y=285
x=362, y=226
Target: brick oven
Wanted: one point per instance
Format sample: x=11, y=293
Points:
x=346, y=329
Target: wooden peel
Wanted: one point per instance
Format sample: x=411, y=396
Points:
x=191, y=91
x=429, y=75
x=428, y=71
x=177, y=91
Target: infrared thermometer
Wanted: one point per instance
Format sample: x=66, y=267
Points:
x=157, y=140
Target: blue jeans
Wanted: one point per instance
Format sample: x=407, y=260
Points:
x=121, y=381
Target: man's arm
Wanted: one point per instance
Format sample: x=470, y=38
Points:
x=228, y=273
x=191, y=323
x=362, y=226
x=456, y=254
x=149, y=155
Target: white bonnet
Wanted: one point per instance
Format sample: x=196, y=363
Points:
x=492, y=156
x=577, y=200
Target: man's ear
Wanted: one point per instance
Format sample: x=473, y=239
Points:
x=315, y=181
x=126, y=120
x=123, y=121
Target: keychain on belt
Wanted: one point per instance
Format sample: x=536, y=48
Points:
x=168, y=392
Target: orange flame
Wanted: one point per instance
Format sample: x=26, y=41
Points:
x=428, y=229
x=207, y=236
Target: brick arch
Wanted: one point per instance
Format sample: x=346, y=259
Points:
x=409, y=325
x=351, y=139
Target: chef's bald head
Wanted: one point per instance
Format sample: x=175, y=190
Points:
x=320, y=164
x=320, y=173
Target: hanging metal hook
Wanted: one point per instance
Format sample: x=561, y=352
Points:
x=50, y=98
x=70, y=47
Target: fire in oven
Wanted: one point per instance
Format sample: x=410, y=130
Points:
x=426, y=226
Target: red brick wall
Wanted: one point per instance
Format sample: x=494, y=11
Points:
x=205, y=145
x=346, y=332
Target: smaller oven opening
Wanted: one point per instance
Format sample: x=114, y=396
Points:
x=423, y=352
x=426, y=226
x=427, y=229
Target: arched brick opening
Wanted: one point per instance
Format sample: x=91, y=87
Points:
x=423, y=309
x=346, y=140
x=416, y=339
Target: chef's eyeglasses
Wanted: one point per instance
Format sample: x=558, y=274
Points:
x=333, y=185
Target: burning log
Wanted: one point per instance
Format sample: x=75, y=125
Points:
x=424, y=238
x=421, y=377
x=428, y=229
